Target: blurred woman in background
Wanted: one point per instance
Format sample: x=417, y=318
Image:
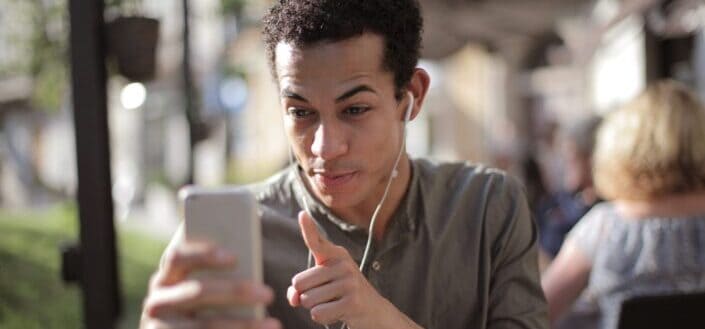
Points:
x=557, y=213
x=649, y=161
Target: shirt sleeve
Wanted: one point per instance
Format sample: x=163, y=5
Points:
x=588, y=232
x=516, y=299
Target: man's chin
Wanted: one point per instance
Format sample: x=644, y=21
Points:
x=338, y=200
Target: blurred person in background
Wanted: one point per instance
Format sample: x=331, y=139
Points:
x=454, y=244
x=649, y=239
x=558, y=212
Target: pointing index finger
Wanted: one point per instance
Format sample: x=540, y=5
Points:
x=320, y=247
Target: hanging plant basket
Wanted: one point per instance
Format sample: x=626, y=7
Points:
x=132, y=40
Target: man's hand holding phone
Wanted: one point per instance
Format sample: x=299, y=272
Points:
x=175, y=298
x=212, y=276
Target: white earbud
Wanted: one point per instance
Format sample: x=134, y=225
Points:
x=409, y=108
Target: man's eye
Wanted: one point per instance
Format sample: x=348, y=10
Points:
x=299, y=113
x=356, y=110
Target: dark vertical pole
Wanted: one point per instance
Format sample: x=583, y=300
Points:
x=189, y=101
x=97, y=253
x=663, y=54
x=669, y=56
x=653, y=47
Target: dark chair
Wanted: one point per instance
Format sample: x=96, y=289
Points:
x=681, y=311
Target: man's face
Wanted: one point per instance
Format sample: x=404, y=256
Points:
x=341, y=117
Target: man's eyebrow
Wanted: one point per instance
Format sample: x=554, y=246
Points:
x=354, y=91
x=286, y=93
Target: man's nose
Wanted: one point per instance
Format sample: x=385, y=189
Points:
x=329, y=142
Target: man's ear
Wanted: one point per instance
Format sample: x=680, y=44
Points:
x=418, y=86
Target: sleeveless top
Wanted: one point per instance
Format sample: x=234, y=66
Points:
x=636, y=257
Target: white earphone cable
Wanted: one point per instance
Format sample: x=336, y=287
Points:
x=393, y=175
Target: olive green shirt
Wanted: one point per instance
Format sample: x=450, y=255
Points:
x=459, y=252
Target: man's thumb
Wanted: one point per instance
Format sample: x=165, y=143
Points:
x=320, y=247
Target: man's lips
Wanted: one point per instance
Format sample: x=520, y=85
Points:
x=329, y=180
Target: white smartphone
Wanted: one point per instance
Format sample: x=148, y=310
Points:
x=228, y=218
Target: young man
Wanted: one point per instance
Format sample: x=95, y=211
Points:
x=454, y=245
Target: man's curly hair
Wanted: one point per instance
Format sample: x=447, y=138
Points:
x=304, y=22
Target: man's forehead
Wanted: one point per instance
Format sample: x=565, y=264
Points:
x=287, y=53
x=363, y=52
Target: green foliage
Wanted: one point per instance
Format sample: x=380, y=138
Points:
x=49, y=53
x=32, y=294
x=232, y=7
x=37, y=31
x=124, y=6
x=51, y=82
x=139, y=257
x=235, y=70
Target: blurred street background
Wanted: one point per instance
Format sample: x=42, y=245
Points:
x=507, y=75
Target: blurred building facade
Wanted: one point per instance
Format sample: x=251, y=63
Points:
x=504, y=73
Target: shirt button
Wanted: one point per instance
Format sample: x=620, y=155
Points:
x=376, y=265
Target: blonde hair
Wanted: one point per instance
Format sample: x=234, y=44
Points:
x=652, y=147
